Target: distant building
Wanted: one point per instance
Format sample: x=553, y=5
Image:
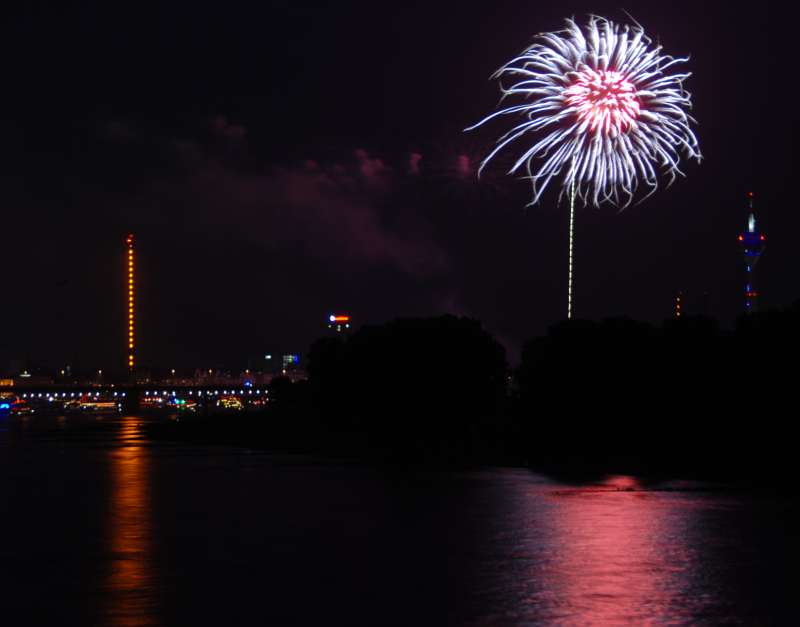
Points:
x=25, y=378
x=752, y=243
x=247, y=378
x=290, y=362
x=339, y=323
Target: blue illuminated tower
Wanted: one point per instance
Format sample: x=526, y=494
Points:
x=753, y=244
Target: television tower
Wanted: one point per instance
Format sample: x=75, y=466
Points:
x=753, y=244
x=130, y=325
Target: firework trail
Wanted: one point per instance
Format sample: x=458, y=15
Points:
x=602, y=109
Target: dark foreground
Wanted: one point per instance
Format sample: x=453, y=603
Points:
x=102, y=527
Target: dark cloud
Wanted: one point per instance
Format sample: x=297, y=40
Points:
x=373, y=170
x=464, y=166
x=231, y=132
x=413, y=163
x=353, y=211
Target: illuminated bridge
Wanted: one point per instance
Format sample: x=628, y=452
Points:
x=134, y=397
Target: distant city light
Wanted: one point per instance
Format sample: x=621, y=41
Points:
x=290, y=360
x=338, y=322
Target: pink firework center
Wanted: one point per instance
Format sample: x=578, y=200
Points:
x=604, y=100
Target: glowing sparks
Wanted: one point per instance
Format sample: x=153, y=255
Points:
x=606, y=99
x=601, y=109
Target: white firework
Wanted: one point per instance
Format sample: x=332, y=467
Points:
x=602, y=111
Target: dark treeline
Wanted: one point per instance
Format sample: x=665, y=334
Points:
x=685, y=398
x=412, y=389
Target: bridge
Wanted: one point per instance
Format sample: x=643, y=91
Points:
x=135, y=397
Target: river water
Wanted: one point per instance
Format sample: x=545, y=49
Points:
x=101, y=527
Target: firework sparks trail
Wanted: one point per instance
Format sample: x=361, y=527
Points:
x=603, y=111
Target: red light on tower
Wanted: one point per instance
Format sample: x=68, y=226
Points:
x=679, y=305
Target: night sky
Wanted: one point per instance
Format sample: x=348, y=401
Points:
x=281, y=161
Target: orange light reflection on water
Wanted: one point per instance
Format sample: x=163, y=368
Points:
x=131, y=587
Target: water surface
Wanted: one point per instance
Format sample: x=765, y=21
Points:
x=101, y=527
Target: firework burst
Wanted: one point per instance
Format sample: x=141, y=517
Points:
x=602, y=111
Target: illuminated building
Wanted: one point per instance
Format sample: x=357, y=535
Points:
x=290, y=362
x=753, y=244
x=679, y=305
x=130, y=326
x=339, y=323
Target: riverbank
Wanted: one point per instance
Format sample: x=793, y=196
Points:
x=307, y=436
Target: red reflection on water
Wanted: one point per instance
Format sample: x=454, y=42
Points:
x=131, y=586
x=618, y=554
